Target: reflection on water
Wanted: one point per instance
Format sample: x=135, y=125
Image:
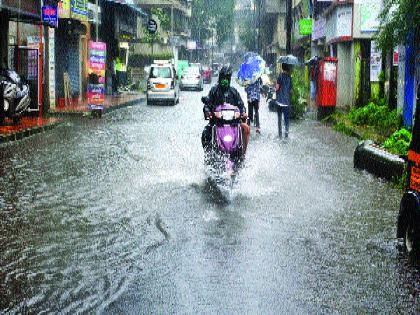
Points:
x=117, y=215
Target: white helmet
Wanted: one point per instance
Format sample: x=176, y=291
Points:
x=9, y=90
x=23, y=104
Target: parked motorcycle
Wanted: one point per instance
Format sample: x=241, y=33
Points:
x=226, y=152
x=14, y=96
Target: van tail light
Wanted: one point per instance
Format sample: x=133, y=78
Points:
x=198, y=76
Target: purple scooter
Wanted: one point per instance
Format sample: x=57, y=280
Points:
x=226, y=154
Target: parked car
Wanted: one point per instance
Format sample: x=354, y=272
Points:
x=197, y=65
x=408, y=227
x=162, y=84
x=207, y=75
x=192, y=79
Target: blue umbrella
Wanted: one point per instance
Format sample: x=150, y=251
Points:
x=251, y=70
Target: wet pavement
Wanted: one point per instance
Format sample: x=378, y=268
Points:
x=116, y=216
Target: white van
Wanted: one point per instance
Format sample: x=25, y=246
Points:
x=162, y=84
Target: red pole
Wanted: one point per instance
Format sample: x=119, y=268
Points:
x=40, y=70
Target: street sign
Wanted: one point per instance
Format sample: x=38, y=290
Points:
x=50, y=15
x=152, y=26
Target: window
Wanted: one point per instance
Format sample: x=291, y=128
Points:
x=161, y=72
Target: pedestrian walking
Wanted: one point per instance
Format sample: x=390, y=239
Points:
x=253, y=92
x=283, y=98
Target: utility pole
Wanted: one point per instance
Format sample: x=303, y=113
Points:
x=256, y=26
x=289, y=27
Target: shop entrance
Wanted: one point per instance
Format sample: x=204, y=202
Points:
x=25, y=61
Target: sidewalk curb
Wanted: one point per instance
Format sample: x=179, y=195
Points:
x=26, y=133
x=106, y=110
x=377, y=161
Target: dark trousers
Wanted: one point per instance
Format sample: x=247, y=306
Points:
x=206, y=137
x=283, y=110
x=254, y=106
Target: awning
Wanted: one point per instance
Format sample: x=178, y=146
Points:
x=130, y=4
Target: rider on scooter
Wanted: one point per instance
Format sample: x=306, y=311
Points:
x=222, y=93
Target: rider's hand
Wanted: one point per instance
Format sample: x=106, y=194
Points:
x=208, y=115
x=244, y=117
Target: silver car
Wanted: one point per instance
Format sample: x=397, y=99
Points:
x=162, y=85
x=192, y=79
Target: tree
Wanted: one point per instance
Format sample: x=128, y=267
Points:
x=204, y=11
x=399, y=19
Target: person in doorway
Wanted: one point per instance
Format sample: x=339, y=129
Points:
x=283, y=98
x=253, y=92
x=219, y=94
x=114, y=77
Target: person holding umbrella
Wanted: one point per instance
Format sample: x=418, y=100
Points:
x=253, y=92
x=249, y=76
x=284, y=92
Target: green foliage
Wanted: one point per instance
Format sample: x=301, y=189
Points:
x=246, y=37
x=141, y=60
x=343, y=128
x=164, y=20
x=398, y=142
x=398, y=19
x=299, y=94
x=217, y=13
x=378, y=116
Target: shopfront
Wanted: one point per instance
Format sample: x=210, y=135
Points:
x=71, y=51
x=21, y=44
x=118, y=30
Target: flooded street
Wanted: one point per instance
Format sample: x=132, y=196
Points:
x=116, y=216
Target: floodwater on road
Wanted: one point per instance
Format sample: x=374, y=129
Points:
x=116, y=215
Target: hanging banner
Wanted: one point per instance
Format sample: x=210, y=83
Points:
x=375, y=63
x=96, y=85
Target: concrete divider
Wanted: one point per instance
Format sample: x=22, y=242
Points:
x=374, y=159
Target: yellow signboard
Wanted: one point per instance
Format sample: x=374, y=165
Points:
x=74, y=9
x=64, y=9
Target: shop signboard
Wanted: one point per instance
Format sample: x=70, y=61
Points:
x=375, y=63
x=79, y=10
x=96, y=86
x=369, y=15
x=50, y=15
x=51, y=68
x=339, y=24
x=318, y=28
x=344, y=21
x=64, y=9
x=305, y=26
